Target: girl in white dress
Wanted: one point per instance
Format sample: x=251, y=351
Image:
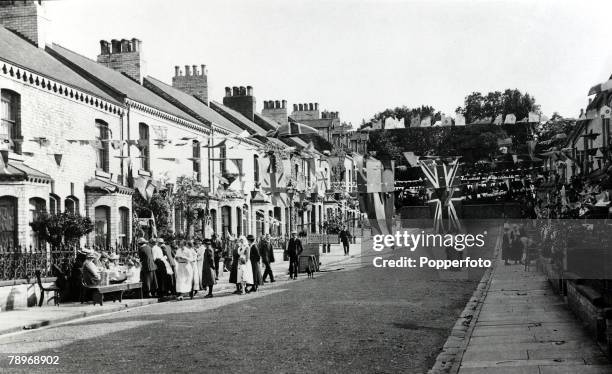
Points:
x=245, y=271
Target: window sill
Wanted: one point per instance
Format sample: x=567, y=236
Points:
x=102, y=174
x=145, y=173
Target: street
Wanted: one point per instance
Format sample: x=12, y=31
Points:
x=350, y=318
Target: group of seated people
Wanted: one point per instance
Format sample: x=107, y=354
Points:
x=102, y=268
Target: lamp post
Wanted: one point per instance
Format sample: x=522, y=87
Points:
x=290, y=193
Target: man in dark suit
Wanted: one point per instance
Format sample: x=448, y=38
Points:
x=294, y=249
x=267, y=256
x=147, y=271
x=345, y=238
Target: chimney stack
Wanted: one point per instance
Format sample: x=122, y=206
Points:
x=193, y=82
x=276, y=110
x=26, y=18
x=125, y=56
x=242, y=101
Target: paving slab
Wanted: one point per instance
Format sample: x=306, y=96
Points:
x=523, y=327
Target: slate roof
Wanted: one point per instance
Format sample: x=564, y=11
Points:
x=18, y=171
x=117, y=82
x=190, y=104
x=20, y=52
x=265, y=122
x=107, y=186
x=238, y=118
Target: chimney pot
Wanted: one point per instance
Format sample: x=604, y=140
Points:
x=125, y=45
x=243, y=91
x=187, y=70
x=277, y=104
x=235, y=91
x=316, y=106
x=265, y=104
x=305, y=106
x=177, y=70
x=116, y=46
x=284, y=104
x=104, y=47
x=203, y=69
x=295, y=107
x=311, y=106
x=135, y=45
x=249, y=90
x=195, y=69
x=300, y=107
x=228, y=92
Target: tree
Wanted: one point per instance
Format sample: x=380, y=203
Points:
x=476, y=106
x=159, y=207
x=385, y=145
x=188, y=197
x=62, y=228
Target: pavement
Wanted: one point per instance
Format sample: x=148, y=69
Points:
x=34, y=317
x=524, y=328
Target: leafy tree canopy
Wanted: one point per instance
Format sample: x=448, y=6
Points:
x=478, y=106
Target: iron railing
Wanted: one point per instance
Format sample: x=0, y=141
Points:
x=21, y=263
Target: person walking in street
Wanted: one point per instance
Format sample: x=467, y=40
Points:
x=245, y=270
x=255, y=258
x=235, y=259
x=197, y=270
x=516, y=246
x=148, y=268
x=185, y=278
x=506, y=243
x=266, y=251
x=199, y=248
x=208, y=270
x=161, y=272
x=345, y=238
x=294, y=249
x=217, y=248
x=170, y=259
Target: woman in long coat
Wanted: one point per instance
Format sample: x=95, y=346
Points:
x=185, y=277
x=233, y=278
x=208, y=268
x=255, y=258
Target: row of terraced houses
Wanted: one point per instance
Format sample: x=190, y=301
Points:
x=86, y=136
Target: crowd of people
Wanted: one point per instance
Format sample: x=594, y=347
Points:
x=183, y=268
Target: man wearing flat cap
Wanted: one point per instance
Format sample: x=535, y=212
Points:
x=148, y=268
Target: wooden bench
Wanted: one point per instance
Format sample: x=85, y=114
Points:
x=114, y=289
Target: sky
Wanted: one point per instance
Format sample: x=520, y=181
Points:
x=359, y=57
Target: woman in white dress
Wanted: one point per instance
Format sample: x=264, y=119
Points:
x=245, y=271
x=185, y=276
x=199, y=249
